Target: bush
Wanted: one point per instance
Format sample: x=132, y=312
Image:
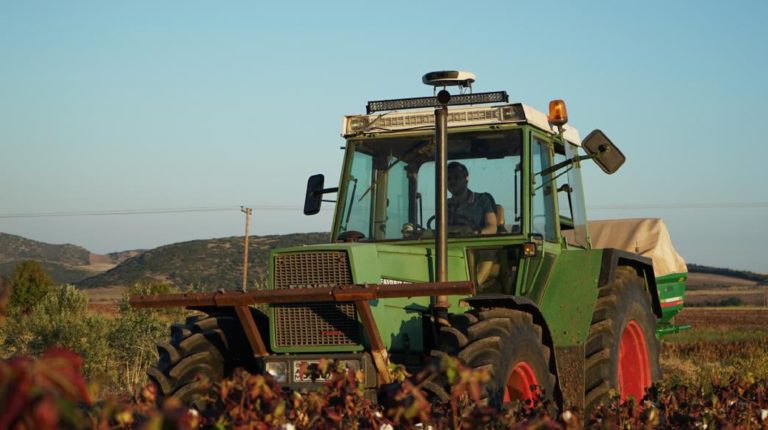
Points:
x=61, y=319
x=29, y=283
x=132, y=342
x=115, y=351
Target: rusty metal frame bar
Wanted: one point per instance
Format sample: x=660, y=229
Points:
x=378, y=351
x=359, y=294
x=251, y=331
x=339, y=293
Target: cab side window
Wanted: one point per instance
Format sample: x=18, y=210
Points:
x=542, y=199
x=563, y=191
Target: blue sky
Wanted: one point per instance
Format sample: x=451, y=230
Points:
x=108, y=106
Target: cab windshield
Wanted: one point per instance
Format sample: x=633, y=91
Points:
x=390, y=186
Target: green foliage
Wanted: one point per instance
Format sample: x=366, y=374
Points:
x=132, y=342
x=151, y=287
x=61, y=318
x=30, y=283
x=115, y=351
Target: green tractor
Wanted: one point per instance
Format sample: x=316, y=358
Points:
x=460, y=228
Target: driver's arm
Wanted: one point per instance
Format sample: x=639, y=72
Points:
x=491, y=225
x=490, y=222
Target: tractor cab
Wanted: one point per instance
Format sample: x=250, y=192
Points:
x=387, y=191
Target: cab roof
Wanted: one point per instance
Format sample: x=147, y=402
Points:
x=424, y=119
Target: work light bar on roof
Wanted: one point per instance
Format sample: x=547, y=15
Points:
x=402, y=121
x=392, y=122
x=423, y=102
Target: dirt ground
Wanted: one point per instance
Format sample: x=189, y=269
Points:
x=748, y=296
x=698, y=280
x=104, y=301
x=735, y=318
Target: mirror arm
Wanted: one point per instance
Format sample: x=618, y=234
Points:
x=326, y=191
x=562, y=164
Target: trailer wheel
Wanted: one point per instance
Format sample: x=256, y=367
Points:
x=509, y=344
x=204, y=348
x=622, y=352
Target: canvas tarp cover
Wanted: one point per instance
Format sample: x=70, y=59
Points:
x=648, y=237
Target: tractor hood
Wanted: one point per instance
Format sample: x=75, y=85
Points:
x=368, y=263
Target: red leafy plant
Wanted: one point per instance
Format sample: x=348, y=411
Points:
x=43, y=393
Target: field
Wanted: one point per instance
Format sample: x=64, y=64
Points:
x=723, y=357
x=742, y=319
x=105, y=301
x=691, y=356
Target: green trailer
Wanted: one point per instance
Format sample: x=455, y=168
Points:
x=459, y=228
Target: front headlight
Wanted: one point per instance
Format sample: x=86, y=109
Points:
x=278, y=370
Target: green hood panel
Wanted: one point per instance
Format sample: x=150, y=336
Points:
x=399, y=320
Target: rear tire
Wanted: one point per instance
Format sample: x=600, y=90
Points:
x=622, y=352
x=204, y=350
x=506, y=342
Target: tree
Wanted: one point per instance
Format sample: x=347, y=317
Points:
x=5, y=291
x=29, y=284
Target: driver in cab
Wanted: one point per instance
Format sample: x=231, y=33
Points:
x=468, y=212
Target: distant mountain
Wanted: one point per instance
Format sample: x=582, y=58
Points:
x=759, y=278
x=202, y=264
x=65, y=263
x=14, y=247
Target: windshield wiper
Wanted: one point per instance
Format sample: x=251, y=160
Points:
x=351, y=202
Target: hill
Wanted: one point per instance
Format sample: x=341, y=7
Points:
x=717, y=276
x=201, y=264
x=14, y=247
x=217, y=263
x=66, y=263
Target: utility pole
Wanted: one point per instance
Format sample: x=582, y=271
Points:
x=247, y=212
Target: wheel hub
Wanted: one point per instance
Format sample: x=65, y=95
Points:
x=634, y=371
x=521, y=384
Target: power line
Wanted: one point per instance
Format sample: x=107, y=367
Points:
x=264, y=208
x=145, y=211
x=737, y=205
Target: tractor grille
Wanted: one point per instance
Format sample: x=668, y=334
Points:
x=314, y=324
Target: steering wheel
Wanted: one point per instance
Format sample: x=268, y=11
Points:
x=453, y=230
x=412, y=230
x=351, y=236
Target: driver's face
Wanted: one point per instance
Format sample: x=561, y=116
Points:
x=457, y=181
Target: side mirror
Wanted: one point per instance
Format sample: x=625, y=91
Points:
x=315, y=191
x=603, y=151
x=314, y=196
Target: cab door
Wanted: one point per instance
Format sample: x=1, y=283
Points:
x=542, y=223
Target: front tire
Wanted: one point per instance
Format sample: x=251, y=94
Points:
x=622, y=352
x=204, y=350
x=510, y=345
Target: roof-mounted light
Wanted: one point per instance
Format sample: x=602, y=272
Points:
x=460, y=117
x=424, y=102
x=558, y=114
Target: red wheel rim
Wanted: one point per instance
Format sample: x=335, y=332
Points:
x=519, y=383
x=634, y=372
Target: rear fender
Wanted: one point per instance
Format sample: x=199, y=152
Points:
x=613, y=258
